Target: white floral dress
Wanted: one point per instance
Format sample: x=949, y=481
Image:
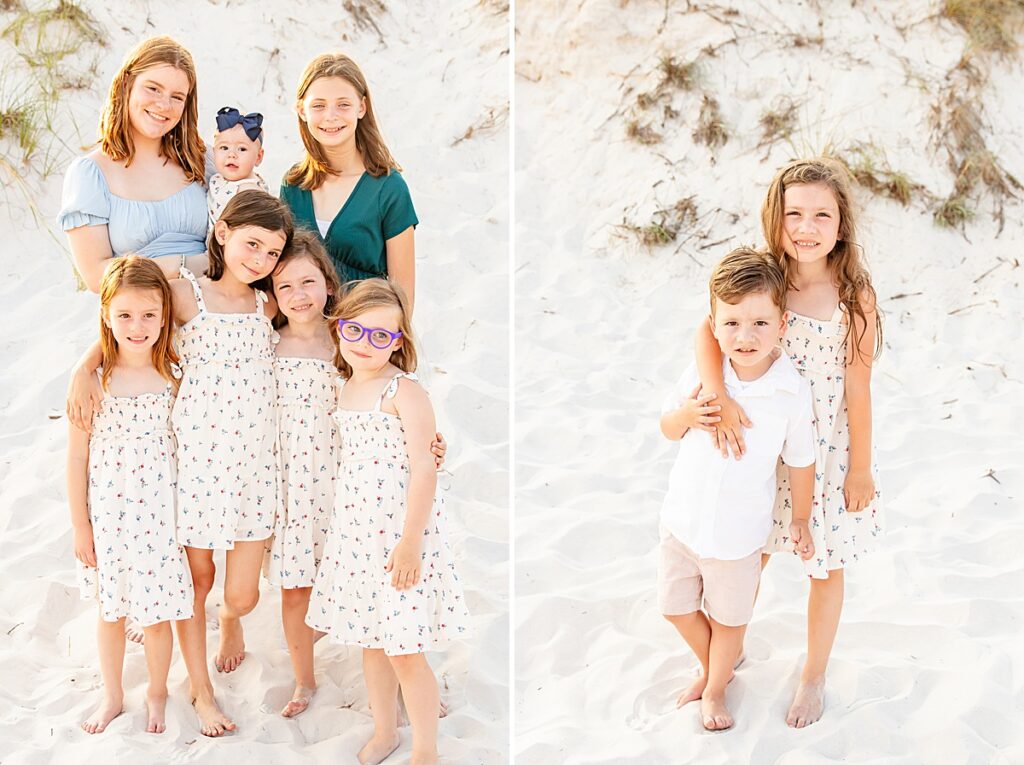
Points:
x=818, y=351
x=353, y=600
x=141, y=572
x=308, y=452
x=226, y=427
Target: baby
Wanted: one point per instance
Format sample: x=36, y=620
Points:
x=237, y=151
x=718, y=512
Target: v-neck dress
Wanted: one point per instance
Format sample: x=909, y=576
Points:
x=376, y=210
x=175, y=225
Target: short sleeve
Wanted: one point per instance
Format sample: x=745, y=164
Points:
x=798, y=451
x=396, y=213
x=681, y=391
x=85, y=199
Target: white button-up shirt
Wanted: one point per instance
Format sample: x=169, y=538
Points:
x=722, y=507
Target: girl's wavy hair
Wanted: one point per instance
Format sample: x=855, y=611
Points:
x=846, y=259
x=306, y=244
x=136, y=272
x=182, y=144
x=360, y=296
x=314, y=168
x=251, y=207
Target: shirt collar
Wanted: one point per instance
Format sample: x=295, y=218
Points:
x=781, y=375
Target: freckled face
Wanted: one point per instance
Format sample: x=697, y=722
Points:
x=331, y=109
x=156, y=100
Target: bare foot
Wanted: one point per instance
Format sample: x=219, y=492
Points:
x=714, y=714
x=108, y=709
x=808, y=703
x=212, y=722
x=232, y=645
x=155, y=707
x=693, y=692
x=300, y=700
x=696, y=689
x=377, y=750
x=424, y=758
x=133, y=633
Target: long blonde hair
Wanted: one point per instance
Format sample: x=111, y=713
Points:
x=845, y=260
x=311, y=172
x=182, y=144
x=365, y=295
x=136, y=272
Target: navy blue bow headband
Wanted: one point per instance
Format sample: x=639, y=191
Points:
x=229, y=116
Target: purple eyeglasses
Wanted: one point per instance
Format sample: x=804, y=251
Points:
x=353, y=332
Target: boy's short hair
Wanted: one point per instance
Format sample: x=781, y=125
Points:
x=746, y=271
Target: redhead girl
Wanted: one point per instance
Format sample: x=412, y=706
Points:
x=833, y=335
x=348, y=188
x=141, y=189
x=121, y=488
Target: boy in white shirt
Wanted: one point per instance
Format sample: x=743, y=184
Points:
x=718, y=512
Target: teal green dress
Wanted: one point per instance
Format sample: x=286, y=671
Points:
x=376, y=210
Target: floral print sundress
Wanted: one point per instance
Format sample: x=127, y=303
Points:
x=308, y=452
x=353, y=600
x=226, y=425
x=141, y=572
x=818, y=351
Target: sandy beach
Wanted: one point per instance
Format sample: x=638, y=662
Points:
x=440, y=86
x=928, y=666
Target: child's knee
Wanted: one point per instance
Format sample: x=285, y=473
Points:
x=295, y=598
x=160, y=629
x=242, y=602
x=407, y=662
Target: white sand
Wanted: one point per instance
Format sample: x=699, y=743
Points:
x=929, y=665
x=436, y=74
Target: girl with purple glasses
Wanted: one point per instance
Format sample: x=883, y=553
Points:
x=387, y=580
x=306, y=364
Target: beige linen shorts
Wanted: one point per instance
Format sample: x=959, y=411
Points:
x=728, y=587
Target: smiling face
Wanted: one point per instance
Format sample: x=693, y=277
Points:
x=235, y=154
x=135, y=317
x=301, y=291
x=361, y=355
x=747, y=332
x=331, y=109
x=810, y=222
x=250, y=252
x=156, y=100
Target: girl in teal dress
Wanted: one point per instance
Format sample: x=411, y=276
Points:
x=348, y=187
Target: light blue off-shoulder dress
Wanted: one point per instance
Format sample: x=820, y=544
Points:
x=175, y=225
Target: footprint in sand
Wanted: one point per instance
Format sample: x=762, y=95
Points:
x=656, y=701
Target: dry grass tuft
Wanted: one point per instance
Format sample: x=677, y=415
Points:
x=666, y=223
x=990, y=25
x=871, y=170
x=779, y=123
x=644, y=134
x=66, y=13
x=710, y=130
x=676, y=75
x=953, y=212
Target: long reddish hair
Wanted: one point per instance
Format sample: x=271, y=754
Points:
x=135, y=272
x=182, y=144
